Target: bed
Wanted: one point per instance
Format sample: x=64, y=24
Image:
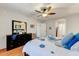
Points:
x=33, y=48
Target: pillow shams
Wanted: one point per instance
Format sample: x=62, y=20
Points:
x=67, y=38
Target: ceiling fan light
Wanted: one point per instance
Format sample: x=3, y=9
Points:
x=44, y=15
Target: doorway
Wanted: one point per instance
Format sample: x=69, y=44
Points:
x=41, y=30
x=60, y=28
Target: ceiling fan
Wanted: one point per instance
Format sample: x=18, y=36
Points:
x=45, y=11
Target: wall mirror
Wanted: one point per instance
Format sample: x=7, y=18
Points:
x=19, y=27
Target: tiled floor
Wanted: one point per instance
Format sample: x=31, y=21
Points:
x=13, y=52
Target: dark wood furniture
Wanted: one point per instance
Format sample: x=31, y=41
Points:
x=20, y=40
x=25, y=54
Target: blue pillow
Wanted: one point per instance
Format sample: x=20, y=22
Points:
x=51, y=37
x=77, y=36
x=67, y=38
x=72, y=42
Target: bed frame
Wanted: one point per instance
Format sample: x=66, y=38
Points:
x=25, y=54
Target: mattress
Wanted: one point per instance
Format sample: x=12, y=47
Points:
x=33, y=49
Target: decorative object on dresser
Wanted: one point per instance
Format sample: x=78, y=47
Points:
x=16, y=40
x=33, y=35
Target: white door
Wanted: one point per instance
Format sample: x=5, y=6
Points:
x=41, y=30
x=38, y=30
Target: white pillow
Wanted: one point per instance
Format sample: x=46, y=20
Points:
x=75, y=47
x=67, y=38
x=51, y=37
x=58, y=43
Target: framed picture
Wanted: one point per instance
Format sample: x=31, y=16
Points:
x=18, y=27
x=32, y=26
x=50, y=28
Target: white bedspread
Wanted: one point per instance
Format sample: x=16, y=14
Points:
x=33, y=49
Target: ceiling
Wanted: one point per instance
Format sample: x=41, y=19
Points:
x=61, y=9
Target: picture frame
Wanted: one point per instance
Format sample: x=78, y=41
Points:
x=18, y=27
x=50, y=28
x=32, y=26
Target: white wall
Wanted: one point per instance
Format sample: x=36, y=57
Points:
x=6, y=17
x=72, y=23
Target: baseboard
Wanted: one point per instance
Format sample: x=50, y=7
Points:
x=4, y=49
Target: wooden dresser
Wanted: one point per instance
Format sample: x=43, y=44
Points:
x=20, y=40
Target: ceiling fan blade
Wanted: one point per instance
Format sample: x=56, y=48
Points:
x=51, y=13
x=49, y=8
x=38, y=11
